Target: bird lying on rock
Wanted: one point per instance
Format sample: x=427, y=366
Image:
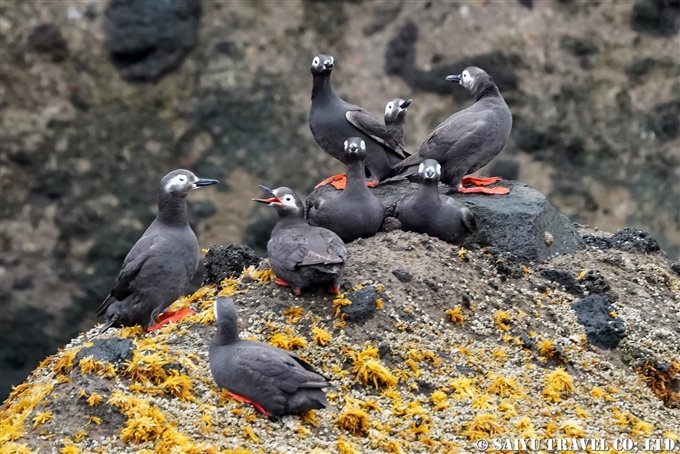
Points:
x=427, y=211
x=275, y=381
x=467, y=140
x=301, y=255
x=161, y=263
x=352, y=213
x=332, y=120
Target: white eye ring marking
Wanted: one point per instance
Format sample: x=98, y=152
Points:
x=465, y=75
x=345, y=144
x=363, y=145
x=182, y=178
x=439, y=169
x=332, y=60
x=421, y=168
x=316, y=61
x=288, y=198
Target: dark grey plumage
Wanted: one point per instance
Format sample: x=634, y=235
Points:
x=332, y=120
x=161, y=263
x=300, y=254
x=470, y=138
x=395, y=117
x=427, y=211
x=276, y=379
x=352, y=213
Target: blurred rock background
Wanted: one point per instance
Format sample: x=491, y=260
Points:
x=99, y=99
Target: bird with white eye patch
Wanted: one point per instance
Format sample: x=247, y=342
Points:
x=355, y=212
x=428, y=211
x=469, y=139
x=332, y=120
x=161, y=263
x=395, y=117
x=301, y=255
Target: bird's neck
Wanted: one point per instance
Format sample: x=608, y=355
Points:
x=288, y=220
x=322, y=86
x=396, y=131
x=172, y=209
x=356, y=177
x=428, y=191
x=227, y=333
x=487, y=91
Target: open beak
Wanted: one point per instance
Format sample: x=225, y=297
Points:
x=453, y=78
x=270, y=200
x=405, y=104
x=205, y=182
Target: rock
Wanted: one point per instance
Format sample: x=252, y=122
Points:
x=675, y=266
x=631, y=239
x=47, y=39
x=664, y=120
x=516, y=223
x=656, y=17
x=148, y=38
x=113, y=350
x=564, y=278
x=363, y=304
x=595, y=283
x=402, y=275
x=226, y=261
x=593, y=312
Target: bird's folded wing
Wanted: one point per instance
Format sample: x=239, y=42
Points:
x=268, y=365
x=367, y=123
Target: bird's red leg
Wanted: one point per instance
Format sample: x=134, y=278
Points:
x=257, y=406
x=170, y=316
x=499, y=190
x=479, y=181
x=281, y=282
x=335, y=290
x=338, y=181
x=371, y=184
x=297, y=291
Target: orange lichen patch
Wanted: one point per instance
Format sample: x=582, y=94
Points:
x=131, y=331
x=525, y=427
x=507, y=408
x=354, y=420
x=440, y=400
x=94, y=399
x=338, y=303
x=65, y=362
x=178, y=385
x=228, y=287
x=455, y=315
x=463, y=387
x=250, y=433
x=41, y=418
x=90, y=365
x=571, y=428
x=294, y=314
x=546, y=348
x=659, y=379
x=501, y=319
x=262, y=276
x=18, y=405
x=288, y=342
x=309, y=417
x=345, y=447
x=368, y=368
x=557, y=383
x=482, y=427
x=482, y=402
x=15, y=448
x=321, y=336
x=504, y=386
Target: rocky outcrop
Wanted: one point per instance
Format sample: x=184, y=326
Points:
x=95, y=107
x=430, y=348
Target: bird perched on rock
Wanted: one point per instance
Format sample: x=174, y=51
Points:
x=427, y=211
x=352, y=213
x=332, y=120
x=301, y=255
x=161, y=263
x=275, y=381
x=395, y=117
x=470, y=138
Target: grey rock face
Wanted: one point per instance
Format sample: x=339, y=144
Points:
x=601, y=329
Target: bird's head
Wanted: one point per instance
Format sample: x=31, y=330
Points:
x=322, y=64
x=355, y=148
x=181, y=182
x=395, y=110
x=429, y=170
x=472, y=78
x=283, y=199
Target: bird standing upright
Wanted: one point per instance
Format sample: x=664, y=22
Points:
x=467, y=140
x=161, y=263
x=332, y=120
x=395, y=117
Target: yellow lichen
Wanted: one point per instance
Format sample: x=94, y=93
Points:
x=131, y=331
x=440, y=400
x=483, y=426
x=250, y=433
x=463, y=387
x=501, y=319
x=94, y=399
x=79, y=436
x=288, y=342
x=571, y=428
x=15, y=448
x=294, y=314
x=368, y=368
x=353, y=420
x=455, y=315
x=228, y=287
x=557, y=383
x=178, y=385
x=321, y=336
x=309, y=417
x=262, y=276
x=546, y=348
x=95, y=420
x=525, y=427
x=338, y=303
x=69, y=448
x=507, y=408
x=379, y=304
x=65, y=362
x=482, y=402
x=504, y=386
x=345, y=447
x=41, y=418
x=598, y=393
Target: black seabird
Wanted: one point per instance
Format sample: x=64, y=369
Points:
x=301, y=255
x=467, y=140
x=161, y=263
x=275, y=381
x=332, y=120
x=352, y=213
x=395, y=117
x=427, y=211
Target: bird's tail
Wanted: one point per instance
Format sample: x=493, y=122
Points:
x=105, y=304
x=106, y=326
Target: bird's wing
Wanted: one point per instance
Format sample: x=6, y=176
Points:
x=324, y=247
x=289, y=249
x=308, y=246
x=132, y=265
x=367, y=123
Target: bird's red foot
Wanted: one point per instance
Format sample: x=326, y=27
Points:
x=281, y=282
x=337, y=181
x=499, y=190
x=257, y=406
x=371, y=184
x=297, y=291
x=335, y=290
x=170, y=316
x=479, y=181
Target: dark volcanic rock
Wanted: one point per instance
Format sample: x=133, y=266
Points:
x=656, y=17
x=516, y=223
x=565, y=278
x=402, y=275
x=113, y=350
x=149, y=38
x=595, y=282
x=363, y=304
x=634, y=240
x=602, y=330
x=225, y=261
x=47, y=39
